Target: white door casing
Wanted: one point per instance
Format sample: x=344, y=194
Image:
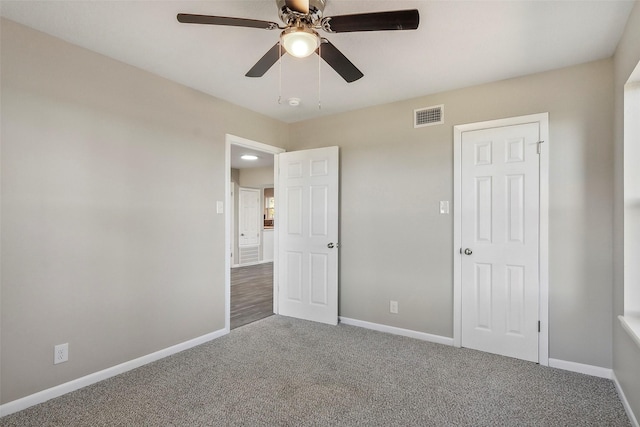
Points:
x=500, y=290
x=232, y=235
x=307, y=230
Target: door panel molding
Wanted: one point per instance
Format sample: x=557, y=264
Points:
x=543, y=120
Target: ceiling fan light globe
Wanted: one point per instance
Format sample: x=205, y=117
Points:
x=300, y=42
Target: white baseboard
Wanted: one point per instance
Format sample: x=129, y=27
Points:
x=264, y=261
x=397, y=331
x=581, y=368
x=594, y=371
x=59, y=390
x=625, y=402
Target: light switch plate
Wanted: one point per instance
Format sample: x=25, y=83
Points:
x=219, y=207
x=444, y=207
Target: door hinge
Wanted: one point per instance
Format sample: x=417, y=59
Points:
x=539, y=144
x=538, y=326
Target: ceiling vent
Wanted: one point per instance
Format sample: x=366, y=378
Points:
x=428, y=116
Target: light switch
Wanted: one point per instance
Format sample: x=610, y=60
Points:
x=219, y=207
x=444, y=207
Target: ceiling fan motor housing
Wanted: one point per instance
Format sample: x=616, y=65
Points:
x=293, y=17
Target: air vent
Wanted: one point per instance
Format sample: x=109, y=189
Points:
x=428, y=116
x=249, y=254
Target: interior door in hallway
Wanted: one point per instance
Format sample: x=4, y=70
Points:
x=249, y=218
x=500, y=240
x=307, y=229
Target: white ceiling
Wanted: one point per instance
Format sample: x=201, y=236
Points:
x=264, y=159
x=458, y=44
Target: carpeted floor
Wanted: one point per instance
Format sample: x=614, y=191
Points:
x=286, y=372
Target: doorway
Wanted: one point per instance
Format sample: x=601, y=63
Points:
x=251, y=293
x=501, y=237
x=249, y=264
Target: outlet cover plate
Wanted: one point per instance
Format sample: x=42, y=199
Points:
x=60, y=353
x=393, y=307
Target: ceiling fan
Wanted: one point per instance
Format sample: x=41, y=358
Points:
x=299, y=36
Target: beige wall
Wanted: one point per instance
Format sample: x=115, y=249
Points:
x=235, y=175
x=396, y=245
x=626, y=354
x=256, y=177
x=110, y=240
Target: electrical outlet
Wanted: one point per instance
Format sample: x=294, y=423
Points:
x=60, y=353
x=393, y=307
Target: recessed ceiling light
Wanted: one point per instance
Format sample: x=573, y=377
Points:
x=294, y=102
x=249, y=157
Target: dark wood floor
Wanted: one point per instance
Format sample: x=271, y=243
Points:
x=251, y=293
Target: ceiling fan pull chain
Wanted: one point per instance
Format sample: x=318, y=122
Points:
x=319, y=75
x=280, y=73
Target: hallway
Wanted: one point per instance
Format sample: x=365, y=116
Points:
x=251, y=293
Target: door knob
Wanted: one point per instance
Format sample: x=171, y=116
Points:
x=332, y=245
x=468, y=251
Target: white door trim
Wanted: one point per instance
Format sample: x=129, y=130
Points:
x=543, y=120
x=236, y=140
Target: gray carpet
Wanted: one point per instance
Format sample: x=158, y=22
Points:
x=285, y=372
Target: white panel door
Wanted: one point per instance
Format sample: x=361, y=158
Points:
x=249, y=218
x=307, y=226
x=500, y=240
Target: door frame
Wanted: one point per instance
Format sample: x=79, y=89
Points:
x=543, y=120
x=243, y=142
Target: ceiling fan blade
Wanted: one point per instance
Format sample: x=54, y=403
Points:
x=338, y=62
x=187, y=18
x=300, y=6
x=266, y=62
x=376, y=21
